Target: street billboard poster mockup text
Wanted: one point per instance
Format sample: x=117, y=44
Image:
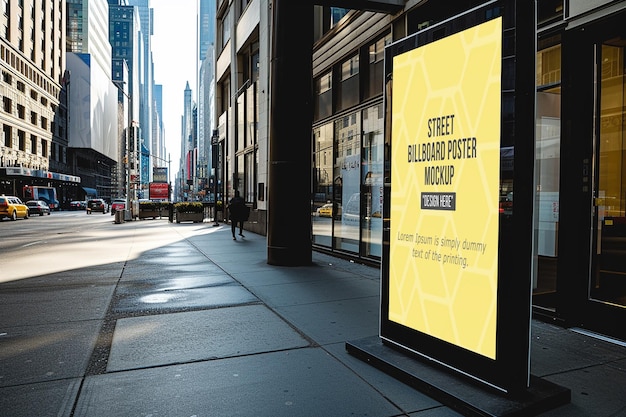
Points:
x=444, y=205
x=441, y=261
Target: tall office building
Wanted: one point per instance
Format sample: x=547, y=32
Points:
x=188, y=152
x=125, y=36
x=206, y=91
x=158, y=144
x=32, y=60
x=206, y=27
x=94, y=139
x=150, y=156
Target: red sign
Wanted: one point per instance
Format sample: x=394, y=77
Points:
x=159, y=191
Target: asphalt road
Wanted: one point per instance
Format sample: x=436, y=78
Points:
x=67, y=240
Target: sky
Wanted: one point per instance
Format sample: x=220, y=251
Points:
x=174, y=57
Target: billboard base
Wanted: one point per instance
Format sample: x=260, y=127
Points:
x=455, y=391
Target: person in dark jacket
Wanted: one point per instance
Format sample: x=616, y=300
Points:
x=238, y=213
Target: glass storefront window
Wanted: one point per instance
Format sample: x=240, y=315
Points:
x=251, y=113
x=372, y=181
x=249, y=188
x=322, y=208
x=346, y=183
x=241, y=122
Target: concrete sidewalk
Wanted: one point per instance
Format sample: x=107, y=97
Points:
x=203, y=326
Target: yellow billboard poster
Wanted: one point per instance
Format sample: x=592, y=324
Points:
x=445, y=162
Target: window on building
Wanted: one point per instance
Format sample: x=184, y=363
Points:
x=33, y=144
x=324, y=95
x=324, y=208
x=374, y=86
x=549, y=11
x=346, y=182
x=225, y=28
x=249, y=188
x=44, y=148
x=251, y=113
x=7, y=104
x=349, y=83
x=33, y=117
x=239, y=175
x=21, y=111
x=242, y=5
x=44, y=123
x=21, y=140
x=7, y=133
x=241, y=122
x=336, y=14
x=254, y=64
x=372, y=181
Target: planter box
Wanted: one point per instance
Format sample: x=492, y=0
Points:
x=189, y=217
x=144, y=214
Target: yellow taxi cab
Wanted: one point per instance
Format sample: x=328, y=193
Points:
x=12, y=207
x=325, y=211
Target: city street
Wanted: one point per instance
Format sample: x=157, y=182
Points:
x=69, y=240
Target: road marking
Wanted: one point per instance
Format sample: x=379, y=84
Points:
x=33, y=243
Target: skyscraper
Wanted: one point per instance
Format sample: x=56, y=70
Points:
x=124, y=36
x=206, y=27
x=146, y=80
x=94, y=140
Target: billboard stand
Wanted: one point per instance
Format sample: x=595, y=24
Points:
x=455, y=391
x=456, y=278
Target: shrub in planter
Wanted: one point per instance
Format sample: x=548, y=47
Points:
x=149, y=209
x=148, y=206
x=189, y=212
x=189, y=207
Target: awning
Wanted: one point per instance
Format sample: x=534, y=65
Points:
x=90, y=191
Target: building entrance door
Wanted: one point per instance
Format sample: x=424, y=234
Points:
x=607, y=283
x=591, y=264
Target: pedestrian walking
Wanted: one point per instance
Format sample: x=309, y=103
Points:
x=238, y=212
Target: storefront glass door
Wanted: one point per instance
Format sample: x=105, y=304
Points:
x=547, y=166
x=608, y=278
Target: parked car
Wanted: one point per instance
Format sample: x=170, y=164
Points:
x=117, y=204
x=12, y=207
x=37, y=207
x=78, y=205
x=97, y=204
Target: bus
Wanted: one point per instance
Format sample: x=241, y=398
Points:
x=47, y=194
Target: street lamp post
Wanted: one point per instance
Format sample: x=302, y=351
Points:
x=128, y=213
